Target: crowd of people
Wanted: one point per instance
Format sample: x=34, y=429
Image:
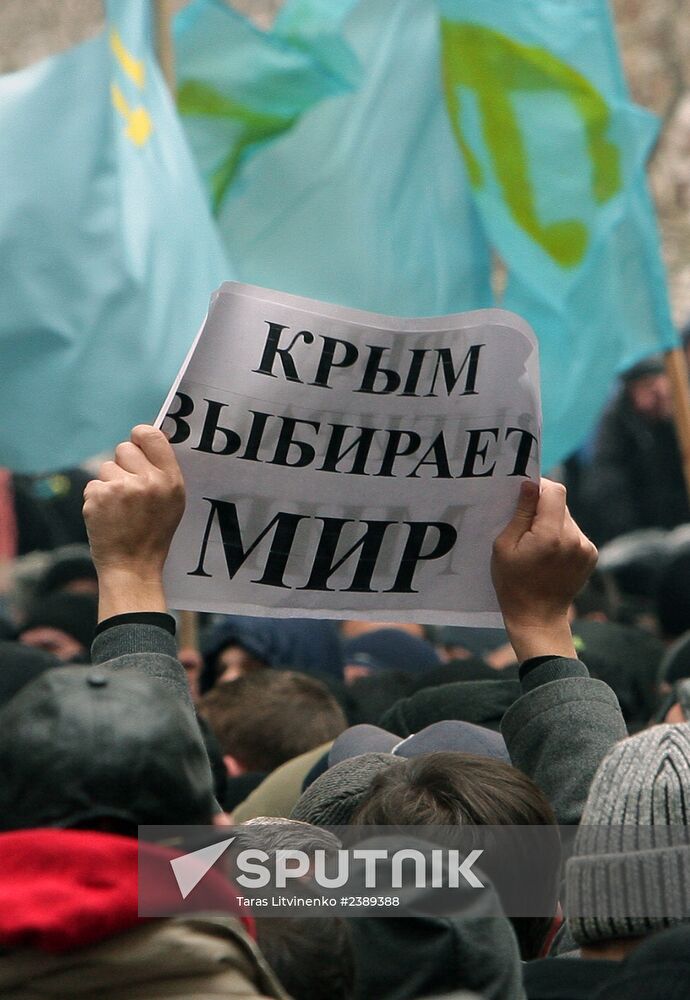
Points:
x=571, y=717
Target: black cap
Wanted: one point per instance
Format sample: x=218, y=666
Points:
x=75, y=614
x=65, y=571
x=80, y=744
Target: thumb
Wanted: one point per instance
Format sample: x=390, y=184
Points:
x=521, y=521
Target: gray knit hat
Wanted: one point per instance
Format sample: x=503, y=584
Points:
x=630, y=873
x=332, y=799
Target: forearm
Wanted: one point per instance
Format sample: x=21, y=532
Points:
x=124, y=590
x=540, y=638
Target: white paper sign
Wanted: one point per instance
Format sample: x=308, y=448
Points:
x=342, y=464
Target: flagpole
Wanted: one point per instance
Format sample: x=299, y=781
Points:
x=677, y=371
x=188, y=637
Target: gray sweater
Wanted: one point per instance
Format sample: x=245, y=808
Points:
x=146, y=648
x=560, y=729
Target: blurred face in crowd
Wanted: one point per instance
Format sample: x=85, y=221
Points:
x=81, y=585
x=353, y=627
x=53, y=640
x=651, y=396
x=234, y=662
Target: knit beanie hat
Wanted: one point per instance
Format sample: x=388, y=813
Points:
x=333, y=798
x=630, y=873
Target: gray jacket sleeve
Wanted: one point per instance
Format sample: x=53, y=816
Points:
x=559, y=731
x=146, y=648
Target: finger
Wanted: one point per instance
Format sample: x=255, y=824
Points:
x=523, y=516
x=111, y=471
x=131, y=458
x=156, y=448
x=551, y=510
x=90, y=488
x=573, y=530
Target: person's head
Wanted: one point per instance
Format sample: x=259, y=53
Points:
x=675, y=665
x=446, y=942
x=673, y=596
x=61, y=624
x=449, y=735
x=648, y=388
x=659, y=967
x=628, y=876
x=350, y=628
x=313, y=957
x=268, y=717
x=333, y=797
x=450, y=789
x=234, y=661
x=241, y=644
x=462, y=642
x=92, y=748
x=69, y=574
x=387, y=649
x=595, y=601
x=368, y=697
x=228, y=653
x=277, y=833
x=628, y=660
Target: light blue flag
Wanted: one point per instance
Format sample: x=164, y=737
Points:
x=556, y=155
x=363, y=200
x=108, y=253
x=239, y=87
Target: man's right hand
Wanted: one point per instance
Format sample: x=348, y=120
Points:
x=131, y=515
x=540, y=561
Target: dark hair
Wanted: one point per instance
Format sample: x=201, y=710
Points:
x=457, y=789
x=313, y=957
x=447, y=788
x=270, y=716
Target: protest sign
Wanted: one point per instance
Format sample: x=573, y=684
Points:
x=343, y=464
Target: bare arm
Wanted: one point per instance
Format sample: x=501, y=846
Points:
x=540, y=562
x=131, y=514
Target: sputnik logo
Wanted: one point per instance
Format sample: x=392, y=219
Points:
x=189, y=869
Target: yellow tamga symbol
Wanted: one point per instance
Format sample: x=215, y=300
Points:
x=138, y=123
